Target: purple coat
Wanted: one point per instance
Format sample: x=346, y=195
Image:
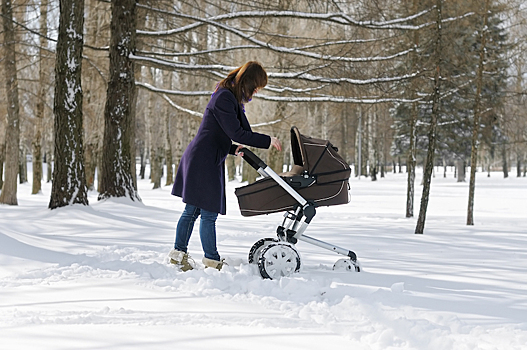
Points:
x=200, y=178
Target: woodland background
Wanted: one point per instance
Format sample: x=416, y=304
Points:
x=98, y=87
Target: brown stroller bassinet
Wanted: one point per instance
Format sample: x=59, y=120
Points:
x=319, y=177
x=319, y=174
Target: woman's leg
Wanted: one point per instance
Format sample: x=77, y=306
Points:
x=185, y=226
x=207, y=234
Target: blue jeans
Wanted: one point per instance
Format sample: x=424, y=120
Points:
x=207, y=230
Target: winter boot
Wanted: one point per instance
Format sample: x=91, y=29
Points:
x=181, y=259
x=214, y=263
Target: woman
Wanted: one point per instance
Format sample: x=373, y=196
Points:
x=200, y=179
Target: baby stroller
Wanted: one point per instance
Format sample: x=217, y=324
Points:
x=319, y=177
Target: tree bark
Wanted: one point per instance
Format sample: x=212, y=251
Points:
x=90, y=161
x=477, y=116
x=411, y=159
x=167, y=80
x=156, y=166
x=22, y=172
x=9, y=188
x=2, y=159
x=69, y=178
x=505, y=163
x=41, y=99
x=231, y=167
x=429, y=164
x=117, y=178
x=460, y=170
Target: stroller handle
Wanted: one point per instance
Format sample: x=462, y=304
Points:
x=252, y=159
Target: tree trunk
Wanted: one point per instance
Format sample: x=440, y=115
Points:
x=22, y=172
x=156, y=166
x=9, y=188
x=143, y=156
x=49, y=159
x=410, y=165
x=411, y=159
x=69, y=178
x=2, y=159
x=168, y=152
x=505, y=163
x=170, y=167
x=477, y=116
x=90, y=161
x=41, y=99
x=117, y=177
x=167, y=80
x=460, y=170
x=373, y=171
x=429, y=164
x=231, y=167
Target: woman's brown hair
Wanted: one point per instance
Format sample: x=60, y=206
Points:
x=244, y=81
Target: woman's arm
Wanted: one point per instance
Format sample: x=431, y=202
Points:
x=225, y=110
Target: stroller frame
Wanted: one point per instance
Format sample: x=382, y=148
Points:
x=297, y=220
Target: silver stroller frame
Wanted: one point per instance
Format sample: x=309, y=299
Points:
x=293, y=226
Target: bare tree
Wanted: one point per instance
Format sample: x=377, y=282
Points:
x=41, y=100
x=477, y=114
x=117, y=178
x=429, y=163
x=69, y=178
x=9, y=188
x=411, y=158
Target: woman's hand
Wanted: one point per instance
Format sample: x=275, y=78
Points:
x=276, y=143
x=237, y=152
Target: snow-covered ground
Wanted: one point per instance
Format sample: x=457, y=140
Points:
x=95, y=277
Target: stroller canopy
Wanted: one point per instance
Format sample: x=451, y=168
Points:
x=318, y=158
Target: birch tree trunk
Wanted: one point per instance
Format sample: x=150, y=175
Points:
x=429, y=163
x=69, y=178
x=117, y=179
x=9, y=188
x=41, y=99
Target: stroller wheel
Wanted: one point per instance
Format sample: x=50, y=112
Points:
x=277, y=260
x=346, y=265
x=257, y=247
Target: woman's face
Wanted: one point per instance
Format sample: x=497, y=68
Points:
x=254, y=92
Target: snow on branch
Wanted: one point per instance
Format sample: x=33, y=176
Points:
x=290, y=89
x=201, y=52
x=194, y=113
x=337, y=99
x=172, y=92
x=287, y=50
x=186, y=110
x=339, y=18
x=249, y=47
x=310, y=77
x=302, y=75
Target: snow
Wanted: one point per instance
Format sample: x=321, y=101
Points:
x=95, y=277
